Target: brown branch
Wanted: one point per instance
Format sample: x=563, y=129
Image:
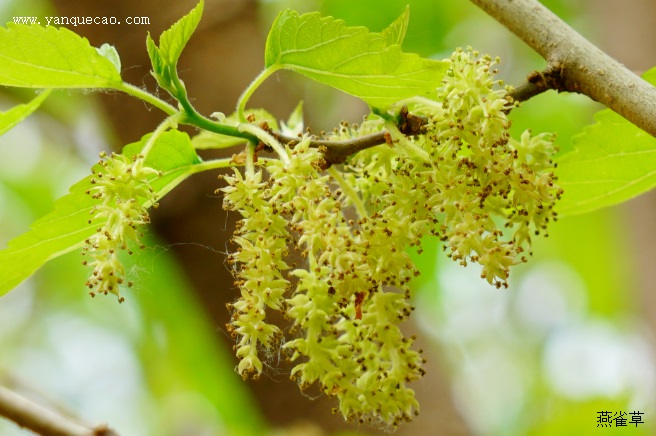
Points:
x=575, y=64
x=336, y=152
x=43, y=421
x=537, y=83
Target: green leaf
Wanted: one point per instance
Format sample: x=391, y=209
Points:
x=66, y=228
x=109, y=51
x=50, y=57
x=174, y=40
x=294, y=125
x=611, y=162
x=395, y=32
x=18, y=113
x=164, y=58
x=368, y=65
x=160, y=71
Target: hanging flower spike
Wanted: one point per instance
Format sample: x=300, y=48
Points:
x=121, y=187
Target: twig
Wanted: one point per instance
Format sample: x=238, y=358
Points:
x=336, y=152
x=537, y=83
x=43, y=421
x=575, y=64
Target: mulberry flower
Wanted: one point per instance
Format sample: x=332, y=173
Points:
x=121, y=186
x=461, y=177
x=261, y=237
x=342, y=308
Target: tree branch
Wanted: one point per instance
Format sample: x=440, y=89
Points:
x=43, y=421
x=336, y=152
x=574, y=64
x=537, y=83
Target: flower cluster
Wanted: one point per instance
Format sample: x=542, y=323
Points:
x=121, y=187
x=345, y=304
x=484, y=175
x=480, y=190
x=462, y=178
x=259, y=262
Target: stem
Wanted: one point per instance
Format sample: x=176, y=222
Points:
x=243, y=98
x=194, y=118
x=163, y=127
x=250, y=157
x=575, y=64
x=337, y=151
x=43, y=421
x=349, y=192
x=198, y=120
x=181, y=94
x=213, y=164
x=147, y=97
x=266, y=138
x=528, y=90
x=190, y=170
x=195, y=169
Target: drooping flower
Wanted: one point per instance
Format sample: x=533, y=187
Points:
x=460, y=177
x=121, y=187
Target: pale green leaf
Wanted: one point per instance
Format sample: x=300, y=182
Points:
x=395, y=32
x=66, y=228
x=612, y=161
x=368, y=65
x=174, y=40
x=18, y=113
x=294, y=124
x=160, y=71
x=50, y=57
x=164, y=58
x=109, y=52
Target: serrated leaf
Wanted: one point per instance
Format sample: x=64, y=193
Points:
x=368, y=65
x=612, y=161
x=157, y=62
x=164, y=58
x=66, y=228
x=49, y=57
x=174, y=40
x=395, y=32
x=18, y=113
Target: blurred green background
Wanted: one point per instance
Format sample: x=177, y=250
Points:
x=573, y=336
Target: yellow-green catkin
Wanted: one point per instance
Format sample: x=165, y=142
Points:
x=121, y=187
x=461, y=177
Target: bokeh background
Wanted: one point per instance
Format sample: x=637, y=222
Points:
x=573, y=335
